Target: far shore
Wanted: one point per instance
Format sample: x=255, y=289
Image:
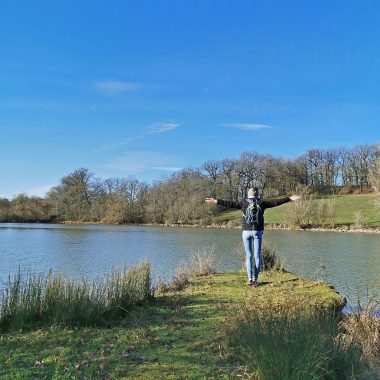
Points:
x=268, y=226
x=227, y=225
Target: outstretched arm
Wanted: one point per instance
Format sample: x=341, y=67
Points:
x=221, y=202
x=278, y=202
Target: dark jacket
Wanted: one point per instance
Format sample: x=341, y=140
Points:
x=259, y=226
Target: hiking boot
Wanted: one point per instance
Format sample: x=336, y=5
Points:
x=255, y=284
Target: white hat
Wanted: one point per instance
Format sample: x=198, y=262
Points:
x=253, y=193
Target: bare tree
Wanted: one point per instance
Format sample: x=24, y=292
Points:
x=330, y=169
x=374, y=171
x=73, y=197
x=248, y=171
x=178, y=199
x=213, y=168
x=228, y=170
x=5, y=210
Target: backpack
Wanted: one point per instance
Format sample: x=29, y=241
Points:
x=251, y=215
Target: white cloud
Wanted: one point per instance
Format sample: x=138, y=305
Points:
x=163, y=127
x=248, y=127
x=114, y=87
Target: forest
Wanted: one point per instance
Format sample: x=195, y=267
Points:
x=82, y=197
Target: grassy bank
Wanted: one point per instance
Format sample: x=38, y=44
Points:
x=180, y=334
x=355, y=211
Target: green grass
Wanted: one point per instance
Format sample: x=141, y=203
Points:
x=179, y=336
x=346, y=207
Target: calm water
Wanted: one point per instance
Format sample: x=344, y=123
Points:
x=351, y=262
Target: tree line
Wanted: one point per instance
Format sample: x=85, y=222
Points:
x=82, y=197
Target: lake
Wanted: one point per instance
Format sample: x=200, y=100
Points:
x=349, y=261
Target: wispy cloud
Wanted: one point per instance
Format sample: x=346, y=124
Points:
x=97, y=104
x=163, y=127
x=248, y=127
x=159, y=127
x=167, y=168
x=43, y=104
x=137, y=162
x=115, y=87
x=116, y=145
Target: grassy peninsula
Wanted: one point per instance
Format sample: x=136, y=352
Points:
x=191, y=333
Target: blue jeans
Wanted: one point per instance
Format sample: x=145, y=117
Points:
x=257, y=237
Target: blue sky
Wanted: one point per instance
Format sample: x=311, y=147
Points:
x=146, y=87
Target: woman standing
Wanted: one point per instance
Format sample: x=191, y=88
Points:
x=253, y=225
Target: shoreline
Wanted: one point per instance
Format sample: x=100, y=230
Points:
x=269, y=226
x=227, y=225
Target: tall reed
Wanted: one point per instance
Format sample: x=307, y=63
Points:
x=34, y=298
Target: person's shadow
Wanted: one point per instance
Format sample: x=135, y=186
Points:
x=263, y=283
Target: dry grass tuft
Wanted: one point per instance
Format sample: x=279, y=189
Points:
x=363, y=329
x=201, y=263
x=269, y=258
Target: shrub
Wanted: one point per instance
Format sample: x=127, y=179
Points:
x=331, y=210
x=359, y=220
x=325, y=210
x=310, y=211
x=301, y=213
